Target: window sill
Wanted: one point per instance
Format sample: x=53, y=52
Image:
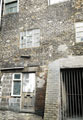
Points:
x=15, y=95
x=79, y=42
x=30, y=47
x=60, y=2
x=10, y=13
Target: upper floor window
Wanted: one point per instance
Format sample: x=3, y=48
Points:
x=51, y=2
x=79, y=31
x=30, y=38
x=11, y=6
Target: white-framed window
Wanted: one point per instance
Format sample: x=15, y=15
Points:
x=29, y=82
x=79, y=31
x=51, y=2
x=11, y=6
x=16, y=84
x=30, y=38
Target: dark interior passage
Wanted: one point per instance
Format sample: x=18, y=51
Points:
x=72, y=93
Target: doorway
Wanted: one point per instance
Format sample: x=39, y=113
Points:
x=72, y=94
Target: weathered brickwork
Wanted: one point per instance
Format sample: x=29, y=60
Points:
x=40, y=93
x=57, y=40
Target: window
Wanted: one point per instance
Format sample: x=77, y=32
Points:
x=50, y=2
x=16, y=84
x=79, y=31
x=0, y=10
x=11, y=6
x=30, y=38
x=28, y=82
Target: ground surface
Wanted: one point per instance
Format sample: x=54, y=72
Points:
x=8, y=115
x=75, y=119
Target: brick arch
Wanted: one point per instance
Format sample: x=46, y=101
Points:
x=52, y=102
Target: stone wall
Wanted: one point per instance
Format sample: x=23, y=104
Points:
x=57, y=40
x=9, y=102
x=57, y=32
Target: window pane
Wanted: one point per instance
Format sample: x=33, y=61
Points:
x=36, y=31
x=26, y=76
x=79, y=31
x=36, y=37
x=29, y=82
x=16, y=88
x=17, y=76
x=82, y=39
x=25, y=82
x=10, y=8
x=29, y=41
x=8, y=1
x=7, y=11
x=15, y=9
x=30, y=38
x=32, y=82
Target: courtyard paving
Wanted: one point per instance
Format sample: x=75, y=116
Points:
x=9, y=115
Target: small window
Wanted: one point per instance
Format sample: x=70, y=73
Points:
x=16, y=84
x=29, y=82
x=30, y=38
x=17, y=76
x=79, y=31
x=11, y=6
x=51, y=2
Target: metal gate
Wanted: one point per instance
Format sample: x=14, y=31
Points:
x=72, y=94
